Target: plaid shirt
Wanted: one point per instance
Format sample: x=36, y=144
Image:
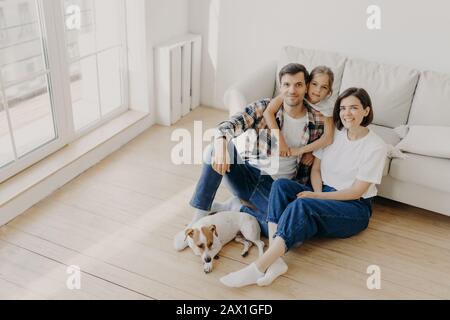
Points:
x=253, y=119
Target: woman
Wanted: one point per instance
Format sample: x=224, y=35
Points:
x=339, y=205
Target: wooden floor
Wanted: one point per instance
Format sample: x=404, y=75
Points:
x=116, y=222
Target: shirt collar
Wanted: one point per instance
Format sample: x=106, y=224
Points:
x=310, y=113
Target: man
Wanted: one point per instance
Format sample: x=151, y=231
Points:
x=247, y=177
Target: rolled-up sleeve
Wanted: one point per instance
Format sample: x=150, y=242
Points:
x=242, y=121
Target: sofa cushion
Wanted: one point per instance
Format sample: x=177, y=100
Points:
x=390, y=137
x=311, y=59
x=425, y=171
x=387, y=134
x=433, y=141
x=391, y=89
x=431, y=104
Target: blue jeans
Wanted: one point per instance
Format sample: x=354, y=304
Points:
x=245, y=181
x=301, y=219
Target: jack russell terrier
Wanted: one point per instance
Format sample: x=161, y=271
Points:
x=208, y=235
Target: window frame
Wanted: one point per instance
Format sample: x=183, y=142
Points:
x=124, y=74
x=52, y=22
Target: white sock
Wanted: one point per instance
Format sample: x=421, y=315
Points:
x=179, y=241
x=232, y=204
x=198, y=215
x=278, y=268
x=244, y=277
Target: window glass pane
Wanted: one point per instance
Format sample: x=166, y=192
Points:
x=92, y=26
x=96, y=48
x=84, y=88
x=21, y=52
x=80, y=29
x=31, y=114
x=110, y=80
x=107, y=23
x=6, y=150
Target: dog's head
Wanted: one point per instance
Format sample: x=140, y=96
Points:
x=205, y=243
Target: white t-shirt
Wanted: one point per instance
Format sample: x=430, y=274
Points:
x=292, y=130
x=325, y=107
x=345, y=161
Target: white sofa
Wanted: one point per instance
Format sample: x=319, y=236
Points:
x=401, y=96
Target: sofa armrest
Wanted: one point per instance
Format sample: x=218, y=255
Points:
x=258, y=85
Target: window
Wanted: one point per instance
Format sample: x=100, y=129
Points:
x=26, y=109
x=95, y=45
x=25, y=19
x=3, y=29
x=57, y=84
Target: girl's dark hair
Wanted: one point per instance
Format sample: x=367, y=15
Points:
x=365, y=100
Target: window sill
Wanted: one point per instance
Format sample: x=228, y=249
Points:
x=66, y=163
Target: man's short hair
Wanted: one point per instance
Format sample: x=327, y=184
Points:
x=294, y=68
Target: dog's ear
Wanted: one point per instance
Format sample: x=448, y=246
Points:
x=189, y=233
x=213, y=229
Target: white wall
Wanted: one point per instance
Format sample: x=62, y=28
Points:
x=241, y=35
x=204, y=18
x=151, y=22
x=167, y=19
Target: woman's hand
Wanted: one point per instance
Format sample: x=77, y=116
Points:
x=308, y=195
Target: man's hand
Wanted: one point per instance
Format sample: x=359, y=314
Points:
x=308, y=195
x=308, y=159
x=221, y=160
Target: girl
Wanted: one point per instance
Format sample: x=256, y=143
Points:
x=319, y=90
x=338, y=205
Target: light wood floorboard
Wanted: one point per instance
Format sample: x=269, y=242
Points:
x=117, y=220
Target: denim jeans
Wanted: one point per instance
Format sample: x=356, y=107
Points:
x=245, y=181
x=300, y=219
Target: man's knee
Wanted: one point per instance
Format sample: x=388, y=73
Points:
x=208, y=154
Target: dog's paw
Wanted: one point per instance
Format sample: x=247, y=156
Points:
x=244, y=254
x=207, y=267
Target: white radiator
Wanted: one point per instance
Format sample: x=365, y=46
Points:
x=177, y=78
